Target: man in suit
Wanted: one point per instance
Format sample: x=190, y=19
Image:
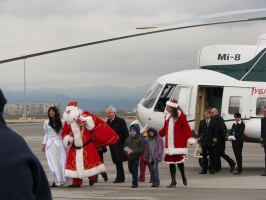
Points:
x=207, y=138
x=263, y=136
x=220, y=146
x=117, y=151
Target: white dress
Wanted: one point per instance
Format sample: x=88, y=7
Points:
x=56, y=154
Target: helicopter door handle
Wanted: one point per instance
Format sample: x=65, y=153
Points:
x=197, y=108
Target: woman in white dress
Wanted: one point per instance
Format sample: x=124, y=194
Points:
x=53, y=146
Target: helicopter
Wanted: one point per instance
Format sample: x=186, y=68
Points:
x=230, y=78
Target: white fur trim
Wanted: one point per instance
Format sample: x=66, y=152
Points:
x=76, y=133
x=183, y=160
x=171, y=134
x=169, y=103
x=175, y=151
x=87, y=173
x=89, y=123
x=66, y=141
x=80, y=163
x=191, y=141
x=68, y=108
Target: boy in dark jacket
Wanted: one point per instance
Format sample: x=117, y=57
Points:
x=133, y=147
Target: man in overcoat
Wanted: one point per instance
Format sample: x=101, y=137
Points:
x=221, y=139
x=117, y=151
x=207, y=138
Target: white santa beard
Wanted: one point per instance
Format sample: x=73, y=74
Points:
x=71, y=116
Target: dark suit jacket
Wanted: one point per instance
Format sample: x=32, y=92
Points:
x=263, y=131
x=117, y=151
x=238, y=131
x=221, y=128
x=207, y=136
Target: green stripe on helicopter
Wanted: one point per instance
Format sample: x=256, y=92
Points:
x=253, y=70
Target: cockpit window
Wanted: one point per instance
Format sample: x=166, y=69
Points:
x=149, y=91
x=152, y=96
x=164, y=97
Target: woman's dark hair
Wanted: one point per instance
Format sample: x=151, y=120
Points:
x=175, y=114
x=57, y=123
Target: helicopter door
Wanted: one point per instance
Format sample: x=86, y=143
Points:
x=236, y=99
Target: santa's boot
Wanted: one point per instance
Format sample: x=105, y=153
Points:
x=96, y=179
x=91, y=180
x=181, y=168
x=264, y=174
x=172, y=172
x=76, y=183
x=104, y=175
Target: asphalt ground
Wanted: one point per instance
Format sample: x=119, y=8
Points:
x=222, y=185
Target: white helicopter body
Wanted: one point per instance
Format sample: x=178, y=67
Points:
x=230, y=78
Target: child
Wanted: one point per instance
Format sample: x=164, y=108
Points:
x=144, y=163
x=104, y=174
x=133, y=147
x=154, y=151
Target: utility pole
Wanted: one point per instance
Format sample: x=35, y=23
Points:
x=25, y=106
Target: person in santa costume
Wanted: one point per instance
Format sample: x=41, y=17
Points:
x=177, y=135
x=83, y=133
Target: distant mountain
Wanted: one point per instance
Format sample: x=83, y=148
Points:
x=103, y=92
x=89, y=98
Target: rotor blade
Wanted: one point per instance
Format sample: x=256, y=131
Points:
x=201, y=18
x=125, y=37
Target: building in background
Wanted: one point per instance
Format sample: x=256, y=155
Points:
x=33, y=109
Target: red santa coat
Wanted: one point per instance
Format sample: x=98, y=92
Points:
x=177, y=135
x=83, y=162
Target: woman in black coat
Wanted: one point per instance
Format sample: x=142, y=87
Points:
x=236, y=137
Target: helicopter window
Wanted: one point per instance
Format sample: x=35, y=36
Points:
x=182, y=95
x=261, y=103
x=235, y=105
x=152, y=96
x=164, y=97
x=149, y=91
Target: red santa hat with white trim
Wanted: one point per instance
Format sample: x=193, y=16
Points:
x=72, y=106
x=172, y=103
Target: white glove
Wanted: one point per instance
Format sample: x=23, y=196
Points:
x=71, y=139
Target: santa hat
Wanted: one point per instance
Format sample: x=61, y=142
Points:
x=72, y=105
x=172, y=103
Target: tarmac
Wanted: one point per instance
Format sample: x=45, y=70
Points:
x=222, y=185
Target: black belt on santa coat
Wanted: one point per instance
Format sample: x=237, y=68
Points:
x=84, y=145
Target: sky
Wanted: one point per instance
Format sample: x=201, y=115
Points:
x=32, y=26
